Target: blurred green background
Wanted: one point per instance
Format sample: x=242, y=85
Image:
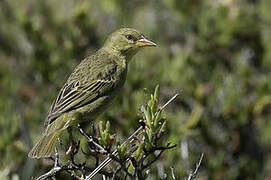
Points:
x=217, y=53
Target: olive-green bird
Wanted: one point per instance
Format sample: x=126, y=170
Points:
x=90, y=88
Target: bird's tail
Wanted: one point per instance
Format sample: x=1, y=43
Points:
x=46, y=145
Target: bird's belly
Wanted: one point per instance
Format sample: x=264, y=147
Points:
x=90, y=111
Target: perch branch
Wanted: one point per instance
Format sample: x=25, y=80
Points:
x=130, y=139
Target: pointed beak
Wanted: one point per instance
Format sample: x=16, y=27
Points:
x=144, y=43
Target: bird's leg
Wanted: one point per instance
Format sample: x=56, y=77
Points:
x=73, y=144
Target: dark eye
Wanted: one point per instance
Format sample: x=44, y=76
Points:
x=131, y=37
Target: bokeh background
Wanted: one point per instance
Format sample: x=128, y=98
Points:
x=216, y=53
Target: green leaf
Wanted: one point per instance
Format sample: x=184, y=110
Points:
x=157, y=119
x=138, y=151
x=156, y=92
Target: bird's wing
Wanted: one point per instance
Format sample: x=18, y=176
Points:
x=74, y=95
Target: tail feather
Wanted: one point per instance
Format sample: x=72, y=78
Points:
x=46, y=145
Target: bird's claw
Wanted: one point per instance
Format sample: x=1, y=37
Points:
x=73, y=149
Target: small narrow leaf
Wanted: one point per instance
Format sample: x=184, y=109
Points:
x=156, y=92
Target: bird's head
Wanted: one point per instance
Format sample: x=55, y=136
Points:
x=127, y=42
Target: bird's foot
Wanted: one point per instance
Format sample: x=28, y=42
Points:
x=74, y=147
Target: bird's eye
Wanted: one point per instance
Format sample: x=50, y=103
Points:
x=131, y=37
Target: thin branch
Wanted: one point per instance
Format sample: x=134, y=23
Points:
x=51, y=173
x=116, y=171
x=172, y=173
x=161, y=149
x=91, y=140
x=155, y=159
x=193, y=174
x=165, y=148
x=168, y=102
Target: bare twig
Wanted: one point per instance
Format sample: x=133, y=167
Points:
x=193, y=174
x=161, y=149
x=51, y=173
x=169, y=101
x=91, y=140
x=172, y=173
x=116, y=171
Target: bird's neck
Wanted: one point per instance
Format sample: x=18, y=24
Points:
x=122, y=58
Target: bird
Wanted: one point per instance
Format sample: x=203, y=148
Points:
x=90, y=88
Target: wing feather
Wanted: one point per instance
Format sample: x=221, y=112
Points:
x=74, y=95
